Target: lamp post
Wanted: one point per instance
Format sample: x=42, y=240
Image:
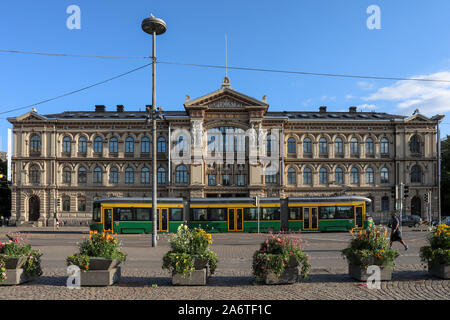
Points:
x=154, y=26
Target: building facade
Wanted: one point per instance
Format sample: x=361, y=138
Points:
x=223, y=144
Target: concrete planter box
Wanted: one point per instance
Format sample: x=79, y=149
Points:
x=14, y=263
x=198, y=278
x=99, y=278
x=96, y=263
x=360, y=273
x=15, y=277
x=439, y=270
x=289, y=276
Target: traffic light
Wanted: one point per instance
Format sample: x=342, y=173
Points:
x=425, y=197
x=405, y=192
x=394, y=192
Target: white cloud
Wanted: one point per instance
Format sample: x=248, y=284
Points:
x=349, y=96
x=367, y=107
x=364, y=85
x=429, y=97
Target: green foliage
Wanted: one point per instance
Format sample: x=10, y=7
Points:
x=438, y=252
x=187, y=246
x=82, y=261
x=276, y=253
x=370, y=247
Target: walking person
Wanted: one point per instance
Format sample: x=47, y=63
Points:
x=396, y=234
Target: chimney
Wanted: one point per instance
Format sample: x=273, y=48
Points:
x=100, y=108
x=323, y=109
x=120, y=108
x=352, y=109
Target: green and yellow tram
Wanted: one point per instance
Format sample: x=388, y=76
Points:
x=134, y=215
x=328, y=213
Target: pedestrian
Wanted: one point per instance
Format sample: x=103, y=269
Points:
x=396, y=234
x=57, y=224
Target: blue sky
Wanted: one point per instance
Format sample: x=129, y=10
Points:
x=313, y=36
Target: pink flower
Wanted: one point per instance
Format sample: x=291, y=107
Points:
x=16, y=240
x=268, y=259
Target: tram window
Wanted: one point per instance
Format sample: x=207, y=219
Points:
x=251, y=213
x=123, y=214
x=344, y=212
x=217, y=214
x=295, y=213
x=176, y=214
x=199, y=215
x=270, y=214
x=143, y=214
x=327, y=212
x=96, y=213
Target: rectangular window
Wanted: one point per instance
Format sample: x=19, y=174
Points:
x=295, y=213
x=96, y=212
x=143, y=214
x=251, y=214
x=226, y=180
x=176, y=214
x=199, y=214
x=240, y=179
x=327, y=212
x=344, y=212
x=270, y=213
x=123, y=214
x=217, y=214
x=211, y=179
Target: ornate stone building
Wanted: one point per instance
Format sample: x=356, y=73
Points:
x=238, y=148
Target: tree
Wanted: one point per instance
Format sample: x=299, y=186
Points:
x=5, y=191
x=445, y=176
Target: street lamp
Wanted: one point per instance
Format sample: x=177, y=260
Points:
x=154, y=26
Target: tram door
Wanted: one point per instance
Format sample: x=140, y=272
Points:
x=107, y=219
x=310, y=218
x=235, y=219
x=163, y=220
x=359, y=220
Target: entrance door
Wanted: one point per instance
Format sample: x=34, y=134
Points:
x=310, y=218
x=239, y=219
x=359, y=219
x=34, y=206
x=235, y=219
x=107, y=219
x=163, y=220
x=231, y=219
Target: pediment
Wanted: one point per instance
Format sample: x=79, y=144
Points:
x=31, y=116
x=418, y=117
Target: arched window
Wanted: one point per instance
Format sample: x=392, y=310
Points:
x=180, y=144
x=338, y=146
x=113, y=143
x=323, y=176
x=161, y=145
x=129, y=145
x=369, y=146
x=35, y=144
x=384, y=175
x=98, y=145
x=98, y=175
x=145, y=145
x=67, y=175
x=291, y=145
x=385, y=204
x=113, y=175
x=292, y=176
x=384, y=147
x=35, y=174
x=129, y=175
x=416, y=174
x=145, y=175
x=66, y=203
x=67, y=142
x=369, y=175
x=354, y=176
x=323, y=145
x=307, y=145
x=354, y=146
x=181, y=174
x=271, y=174
x=414, y=144
x=307, y=176
x=82, y=145
x=161, y=175
x=82, y=177
x=339, y=176
x=81, y=201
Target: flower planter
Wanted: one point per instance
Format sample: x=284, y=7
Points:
x=15, y=277
x=288, y=276
x=200, y=264
x=100, y=278
x=197, y=278
x=360, y=273
x=96, y=263
x=439, y=270
x=14, y=262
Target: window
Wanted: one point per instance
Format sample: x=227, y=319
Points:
x=113, y=142
x=67, y=142
x=81, y=204
x=176, y=214
x=161, y=145
x=323, y=176
x=385, y=204
x=251, y=213
x=98, y=145
x=82, y=145
x=354, y=176
x=295, y=213
x=344, y=212
x=161, y=175
x=180, y=144
x=145, y=175
x=35, y=144
x=199, y=214
x=384, y=175
x=369, y=145
x=271, y=174
x=323, y=145
x=145, y=145
x=327, y=212
x=307, y=176
x=292, y=174
x=416, y=174
x=414, y=144
x=97, y=175
x=217, y=214
x=129, y=145
x=354, y=146
x=384, y=147
x=67, y=175
x=226, y=179
x=338, y=146
x=66, y=203
x=129, y=175
x=143, y=214
x=35, y=174
x=270, y=143
x=240, y=180
x=123, y=214
x=181, y=174
x=113, y=175
x=270, y=213
x=307, y=145
x=211, y=179
x=82, y=176
x=369, y=175
x=339, y=176
x=291, y=145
